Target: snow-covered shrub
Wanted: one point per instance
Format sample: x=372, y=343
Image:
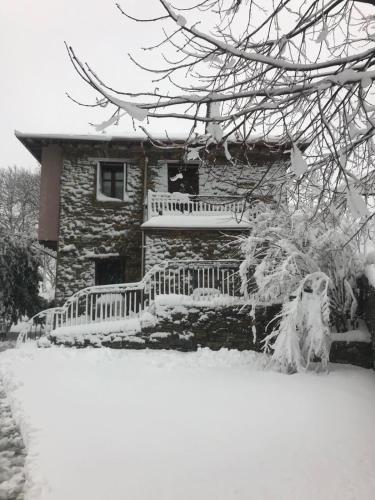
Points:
x=310, y=267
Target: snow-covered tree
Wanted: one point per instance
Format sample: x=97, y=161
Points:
x=300, y=71
x=310, y=267
x=19, y=279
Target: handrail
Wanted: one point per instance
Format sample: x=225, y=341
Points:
x=119, y=301
x=160, y=202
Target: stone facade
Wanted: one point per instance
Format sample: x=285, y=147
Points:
x=162, y=245
x=92, y=229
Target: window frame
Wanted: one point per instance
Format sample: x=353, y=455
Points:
x=99, y=179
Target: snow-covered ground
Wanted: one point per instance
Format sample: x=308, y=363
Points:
x=163, y=425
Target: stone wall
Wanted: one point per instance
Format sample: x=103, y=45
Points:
x=164, y=245
x=221, y=177
x=187, y=327
x=91, y=229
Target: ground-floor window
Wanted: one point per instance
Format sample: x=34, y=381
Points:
x=110, y=271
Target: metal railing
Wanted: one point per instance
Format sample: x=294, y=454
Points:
x=199, y=280
x=160, y=203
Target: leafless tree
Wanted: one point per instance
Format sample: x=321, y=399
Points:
x=19, y=200
x=296, y=72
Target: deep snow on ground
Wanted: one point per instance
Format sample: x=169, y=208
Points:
x=12, y=450
x=163, y=425
x=12, y=454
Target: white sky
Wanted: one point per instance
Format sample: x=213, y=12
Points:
x=36, y=71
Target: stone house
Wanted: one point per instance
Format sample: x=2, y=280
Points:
x=140, y=232
x=112, y=207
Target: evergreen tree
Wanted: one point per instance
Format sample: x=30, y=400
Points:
x=19, y=279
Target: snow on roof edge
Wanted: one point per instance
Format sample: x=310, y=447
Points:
x=129, y=135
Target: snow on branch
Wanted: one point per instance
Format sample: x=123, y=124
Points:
x=303, y=72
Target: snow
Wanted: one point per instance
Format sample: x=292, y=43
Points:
x=207, y=296
x=176, y=177
x=215, y=131
x=102, y=197
x=181, y=20
x=105, y=327
x=298, y=163
x=151, y=425
x=76, y=334
x=196, y=221
x=12, y=454
x=351, y=336
x=132, y=135
x=356, y=203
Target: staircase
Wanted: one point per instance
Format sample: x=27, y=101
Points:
x=198, y=280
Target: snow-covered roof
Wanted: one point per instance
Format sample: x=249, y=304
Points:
x=195, y=222
x=35, y=141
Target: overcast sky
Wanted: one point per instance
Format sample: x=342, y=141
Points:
x=36, y=71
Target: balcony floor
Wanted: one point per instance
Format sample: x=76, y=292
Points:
x=188, y=221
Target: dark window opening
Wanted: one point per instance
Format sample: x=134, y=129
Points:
x=109, y=271
x=112, y=179
x=183, y=179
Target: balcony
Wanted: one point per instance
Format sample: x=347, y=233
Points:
x=167, y=210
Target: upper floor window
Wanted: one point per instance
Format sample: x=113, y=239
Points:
x=112, y=177
x=183, y=179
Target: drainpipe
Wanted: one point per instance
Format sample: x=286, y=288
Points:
x=145, y=206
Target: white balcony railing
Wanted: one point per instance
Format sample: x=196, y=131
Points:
x=160, y=203
x=199, y=280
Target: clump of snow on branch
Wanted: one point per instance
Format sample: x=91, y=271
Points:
x=356, y=204
x=298, y=163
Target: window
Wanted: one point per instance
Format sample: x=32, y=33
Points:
x=109, y=271
x=183, y=179
x=112, y=180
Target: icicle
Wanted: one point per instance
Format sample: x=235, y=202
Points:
x=323, y=34
x=228, y=156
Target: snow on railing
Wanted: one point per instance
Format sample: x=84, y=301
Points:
x=160, y=203
x=201, y=280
